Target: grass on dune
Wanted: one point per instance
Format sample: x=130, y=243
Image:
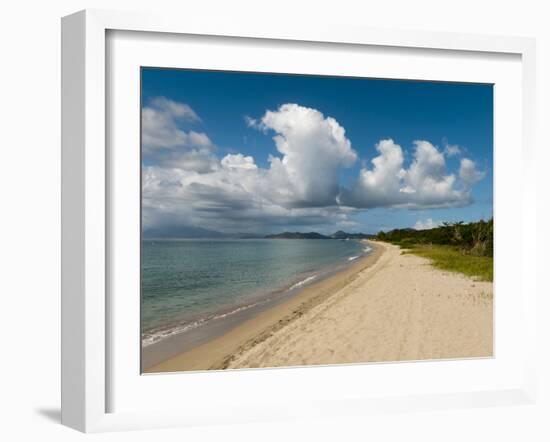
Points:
x=455, y=260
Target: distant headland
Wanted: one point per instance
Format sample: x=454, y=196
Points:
x=314, y=235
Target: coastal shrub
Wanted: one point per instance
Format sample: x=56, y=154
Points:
x=466, y=248
x=473, y=238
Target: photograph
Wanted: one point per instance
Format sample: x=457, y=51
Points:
x=292, y=220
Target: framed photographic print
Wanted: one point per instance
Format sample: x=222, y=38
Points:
x=279, y=240
x=292, y=223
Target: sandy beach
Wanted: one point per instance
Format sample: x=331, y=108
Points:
x=388, y=306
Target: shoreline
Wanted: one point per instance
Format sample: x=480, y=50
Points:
x=214, y=353
x=390, y=306
x=265, y=297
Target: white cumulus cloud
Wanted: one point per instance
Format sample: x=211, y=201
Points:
x=452, y=150
x=426, y=224
x=469, y=173
x=381, y=185
x=186, y=183
x=424, y=184
x=238, y=161
x=164, y=142
x=314, y=148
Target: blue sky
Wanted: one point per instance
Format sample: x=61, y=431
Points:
x=224, y=114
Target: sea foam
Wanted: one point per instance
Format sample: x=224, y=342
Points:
x=303, y=282
x=154, y=337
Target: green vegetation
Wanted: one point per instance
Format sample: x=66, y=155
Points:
x=458, y=247
x=450, y=258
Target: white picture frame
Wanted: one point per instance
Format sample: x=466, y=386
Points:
x=86, y=207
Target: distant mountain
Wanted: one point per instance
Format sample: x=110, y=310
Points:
x=344, y=235
x=179, y=231
x=182, y=231
x=297, y=235
x=339, y=235
x=247, y=236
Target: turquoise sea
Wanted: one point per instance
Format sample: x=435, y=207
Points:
x=187, y=284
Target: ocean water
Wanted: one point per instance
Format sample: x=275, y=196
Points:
x=188, y=283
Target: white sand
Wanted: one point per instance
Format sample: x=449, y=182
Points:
x=399, y=309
